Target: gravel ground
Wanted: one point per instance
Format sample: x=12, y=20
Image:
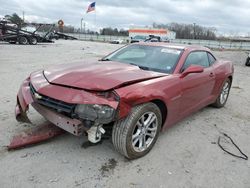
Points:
x=185, y=156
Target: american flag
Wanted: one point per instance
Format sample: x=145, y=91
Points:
x=91, y=7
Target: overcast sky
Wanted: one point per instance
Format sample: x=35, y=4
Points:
x=228, y=16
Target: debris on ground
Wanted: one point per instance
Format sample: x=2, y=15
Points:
x=236, y=87
x=88, y=144
x=35, y=135
x=108, y=167
x=226, y=138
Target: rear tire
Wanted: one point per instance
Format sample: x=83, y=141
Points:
x=135, y=135
x=33, y=41
x=247, y=62
x=12, y=42
x=222, y=98
x=23, y=40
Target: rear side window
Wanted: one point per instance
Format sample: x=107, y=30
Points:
x=211, y=58
x=197, y=58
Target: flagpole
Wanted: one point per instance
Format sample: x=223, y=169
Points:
x=81, y=24
x=95, y=20
x=85, y=26
x=95, y=16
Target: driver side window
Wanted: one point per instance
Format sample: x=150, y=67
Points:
x=196, y=58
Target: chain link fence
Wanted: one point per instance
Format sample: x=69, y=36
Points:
x=229, y=45
x=100, y=38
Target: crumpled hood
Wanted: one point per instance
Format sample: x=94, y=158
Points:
x=98, y=76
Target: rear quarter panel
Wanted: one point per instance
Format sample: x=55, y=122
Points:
x=223, y=70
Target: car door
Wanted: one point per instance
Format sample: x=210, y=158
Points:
x=196, y=87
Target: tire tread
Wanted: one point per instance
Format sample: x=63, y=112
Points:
x=121, y=129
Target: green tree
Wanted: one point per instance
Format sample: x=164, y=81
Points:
x=15, y=19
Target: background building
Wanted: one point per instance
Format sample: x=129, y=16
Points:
x=163, y=33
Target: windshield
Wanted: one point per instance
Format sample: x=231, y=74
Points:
x=155, y=58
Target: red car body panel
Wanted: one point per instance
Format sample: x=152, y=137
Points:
x=66, y=94
x=98, y=76
x=79, y=84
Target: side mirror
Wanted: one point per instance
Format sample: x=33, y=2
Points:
x=192, y=69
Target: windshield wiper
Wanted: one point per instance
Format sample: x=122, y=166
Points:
x=141, y=67
x=106, y=59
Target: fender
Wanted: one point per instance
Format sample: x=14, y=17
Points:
x=148, y=91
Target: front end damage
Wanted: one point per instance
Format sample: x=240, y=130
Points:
x=72, y=109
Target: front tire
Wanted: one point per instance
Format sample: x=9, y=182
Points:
x=222, y=98
x=135, y=135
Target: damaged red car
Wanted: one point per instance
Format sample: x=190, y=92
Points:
x=139, y=90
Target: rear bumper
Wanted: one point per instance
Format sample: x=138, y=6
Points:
x=24, y=99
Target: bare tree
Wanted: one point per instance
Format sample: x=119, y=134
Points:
x=113, y=31
x=15, y=19
x=189, y=31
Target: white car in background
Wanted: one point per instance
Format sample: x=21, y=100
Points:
x=117, y=41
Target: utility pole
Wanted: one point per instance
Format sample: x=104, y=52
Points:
x=81, y=24
x=23, y=16
x=194, y=31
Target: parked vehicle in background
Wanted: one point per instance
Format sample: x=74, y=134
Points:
x=58, y=35
x=137, y=91
x=162, y=33
x=165, y=39
x=117, y=41
x=138, y=38
x=12, y=34
x=149, y=38
x=248, y=60
x=153, y=38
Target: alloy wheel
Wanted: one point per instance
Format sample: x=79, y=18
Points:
x=144, y=132
x=224, y=92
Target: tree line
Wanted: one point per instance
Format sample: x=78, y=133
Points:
x=113, y=31
x=183, y=31
x=15, y=19
x=189, y=31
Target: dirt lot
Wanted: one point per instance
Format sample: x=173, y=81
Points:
x=184, y=156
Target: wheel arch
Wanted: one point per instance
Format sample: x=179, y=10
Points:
x=163, y=108
x=231, y=78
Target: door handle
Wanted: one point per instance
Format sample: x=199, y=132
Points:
x=211, y=74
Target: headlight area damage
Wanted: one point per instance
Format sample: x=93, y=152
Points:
x=70, y=109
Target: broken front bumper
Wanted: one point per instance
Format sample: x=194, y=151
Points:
x=24, y=98
x=35, y=91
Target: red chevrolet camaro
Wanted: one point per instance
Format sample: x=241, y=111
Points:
x=139, y=90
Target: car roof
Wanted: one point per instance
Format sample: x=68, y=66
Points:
x=174, y=46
